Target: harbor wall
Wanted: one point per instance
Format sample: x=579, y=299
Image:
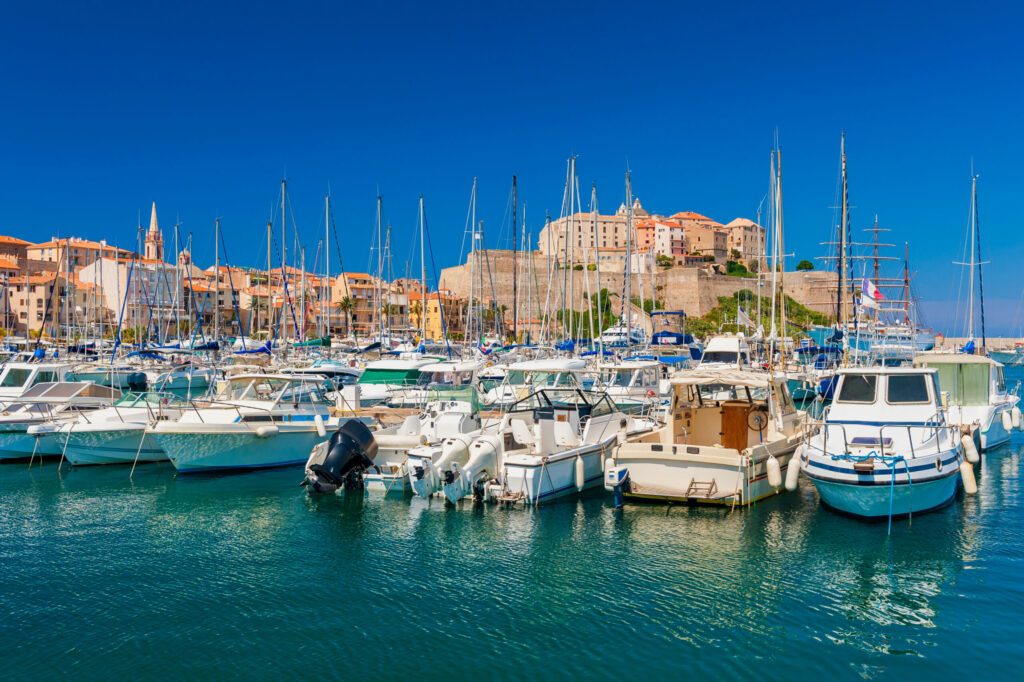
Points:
x=694, y=290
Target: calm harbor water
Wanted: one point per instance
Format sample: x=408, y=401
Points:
x=246, y=576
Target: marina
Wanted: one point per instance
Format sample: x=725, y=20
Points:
x=454, y=341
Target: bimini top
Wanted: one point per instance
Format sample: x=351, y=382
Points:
x=455, y=366
x=730, y=377
x=550, y=365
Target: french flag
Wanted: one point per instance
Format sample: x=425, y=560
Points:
x=871, y=291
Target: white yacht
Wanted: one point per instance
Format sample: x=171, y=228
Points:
x=29, y=424
x=974, y=395
x=119, y=434
x=381, y=378
x=730, y=351
x=634, y=385
x=522, y=378
x=18, y=377
x=885, y=448
x=453, y=373
x=729, y=437
x=255, y=421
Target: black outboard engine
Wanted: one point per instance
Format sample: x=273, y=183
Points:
x=340, y=462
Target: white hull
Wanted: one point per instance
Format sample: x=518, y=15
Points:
x=123, y=444
x=529, y=479
x=225, y=447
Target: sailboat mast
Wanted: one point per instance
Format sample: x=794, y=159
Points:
x=423, y=276
x=515, y=264
x=844, y=226
x=973, y=262
x=326, y=299
x=380, y=267
x=628, y=303
x=284, y=267
x=216, y=279
x=906, y=284
x=981, y=281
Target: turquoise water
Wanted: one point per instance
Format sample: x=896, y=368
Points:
x=246, y=576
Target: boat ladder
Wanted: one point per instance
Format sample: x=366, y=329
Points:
x=702, y=489
x=509, y=498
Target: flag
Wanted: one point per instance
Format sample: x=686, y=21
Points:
x=743, y=318
x=869, y=290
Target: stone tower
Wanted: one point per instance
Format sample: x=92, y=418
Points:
x=154, y=240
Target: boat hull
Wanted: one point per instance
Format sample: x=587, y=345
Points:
x=538, y=483
x=124, y=445
x=230, y=447
x=872, y=501
x=17, y=445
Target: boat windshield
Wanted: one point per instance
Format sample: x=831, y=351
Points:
x=148, y=398
x=15, y=376
x=720, y=356
x=858, y=388
x=445, y=378
x=518, y=377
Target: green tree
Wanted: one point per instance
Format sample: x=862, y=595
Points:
x=663, y=261
x=805, y=265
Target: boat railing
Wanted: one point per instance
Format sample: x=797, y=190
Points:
x=226, y=404
x=936, y=424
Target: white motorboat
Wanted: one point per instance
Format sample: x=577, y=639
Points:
x=885, y=448
x=633, y=385
x=453, y=373
x=975, y=396
x=29, y=425
x=729, y=351
x=729, y=437
x=119, y=434
x=381, y=378
x=524, y=377
x=18, y=377
x=255, y=421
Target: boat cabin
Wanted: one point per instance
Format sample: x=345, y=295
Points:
x=18, y=377
x=728, y=351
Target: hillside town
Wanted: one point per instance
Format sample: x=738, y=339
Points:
x=70, y=287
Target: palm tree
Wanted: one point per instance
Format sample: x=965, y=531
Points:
x=346, y=305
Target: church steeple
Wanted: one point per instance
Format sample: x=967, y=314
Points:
x=154, y=239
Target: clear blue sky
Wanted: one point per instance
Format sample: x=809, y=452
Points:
x=203, y=108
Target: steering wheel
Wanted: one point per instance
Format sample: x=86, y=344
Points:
x=757, y=420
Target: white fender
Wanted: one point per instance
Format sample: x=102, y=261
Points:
x=970, y=451
x=394, y=441
x=483, y=456
x=581, y=474
x=774, y=472
x=1007, y=420
x=321, y=430
x=267, y=431
x=1015, y=417
x=793, y=472
x=967, y=476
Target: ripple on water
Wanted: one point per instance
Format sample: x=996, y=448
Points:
x=247, y=576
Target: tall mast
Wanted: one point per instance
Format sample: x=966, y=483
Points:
x=380, y=268
x=423, y=276
x=876, y=230
x=269, y=293
x=906, y=283
x=981, y=279
x=216, y=279
x=597, y=270
x=326, y=307
x=844, y=226
x=973, y=261
x=515, y=269
x=629, y=259
x=301, y=331
x=284, y=267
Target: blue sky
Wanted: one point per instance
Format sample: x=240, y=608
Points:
x=203, y=108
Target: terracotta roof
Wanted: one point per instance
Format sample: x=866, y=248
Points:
x=4, y=239
x=8, y=264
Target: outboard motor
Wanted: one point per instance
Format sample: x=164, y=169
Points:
x=340, y=462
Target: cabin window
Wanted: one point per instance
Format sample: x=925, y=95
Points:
x=44, y=378
x=907, y=388
x=858, y=388
x=15, y=377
